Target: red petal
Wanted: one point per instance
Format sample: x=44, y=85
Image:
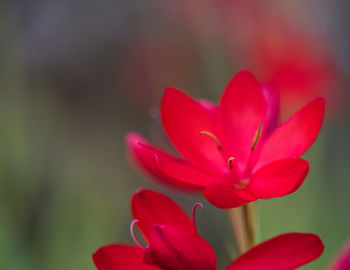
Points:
x=173, y=249
x=279, y=178
x=120, y=257
x=293, y=137
x=284, y=252
x=242, y=108
x=343, y=260
x=183, y=119
x=271, y=97
x=151, y=207
x=224, y=196
x=184, y=172
x=143, y=154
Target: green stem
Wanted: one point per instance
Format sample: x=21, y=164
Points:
x=250, y=212
x=238, y=223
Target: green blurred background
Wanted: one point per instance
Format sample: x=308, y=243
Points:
x=77, y=75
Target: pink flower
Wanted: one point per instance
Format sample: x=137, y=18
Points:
x=234, y=152
x=173, y=244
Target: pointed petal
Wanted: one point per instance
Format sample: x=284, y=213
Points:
x=144, y=156
x=173, y=249
x=284, y=252
x=343, y=260
x=293, y=137
x=120, y=257
x=184, y=172
x=183, y=120
x=224, y=196
x=279, y=178
x=242, y=108
x=151, y=207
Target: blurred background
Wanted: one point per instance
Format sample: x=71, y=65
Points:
x=75, y=76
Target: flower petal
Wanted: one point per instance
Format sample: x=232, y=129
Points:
x=343, y=260
x=143, y=154
x=242, y=108
x=184, y=172
x=173, y=249
x=271, y=97
x=224, y=196
x=183, y=120
x=279, y=178
x=293, y=137
x=120, y=257
x=151, y=207
x=284, y=252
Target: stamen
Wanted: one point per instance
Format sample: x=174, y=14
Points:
x=132, y=225
x=256, y=138
x=230, y=162
x=211, y=135
x=194, y=214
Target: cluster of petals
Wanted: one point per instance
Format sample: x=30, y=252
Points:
x=174, y=244
x=234, y=152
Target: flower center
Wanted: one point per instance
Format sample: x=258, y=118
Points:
x=245, y=165
x=242, y=184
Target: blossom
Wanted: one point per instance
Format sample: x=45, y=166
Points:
x=171, y=236
x=300, y=72
x=173, y=244
x=233, y=152
x=342, y=262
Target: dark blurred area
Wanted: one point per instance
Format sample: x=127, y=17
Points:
x=77, y=75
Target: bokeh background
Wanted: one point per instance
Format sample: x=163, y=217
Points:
x=75, y=76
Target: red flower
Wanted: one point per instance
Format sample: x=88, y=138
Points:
x=173, y=242
x=300, y=72
x=175, y=245
x=343, y=260
x=234, y=152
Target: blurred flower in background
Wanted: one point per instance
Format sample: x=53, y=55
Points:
x=264, y=37
x=342, y=261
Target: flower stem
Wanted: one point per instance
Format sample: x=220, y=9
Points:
x=238, y=223
x=250, y=212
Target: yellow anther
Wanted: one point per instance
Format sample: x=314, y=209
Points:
x=256, y=138
x=211, y=135
x=230, y=162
